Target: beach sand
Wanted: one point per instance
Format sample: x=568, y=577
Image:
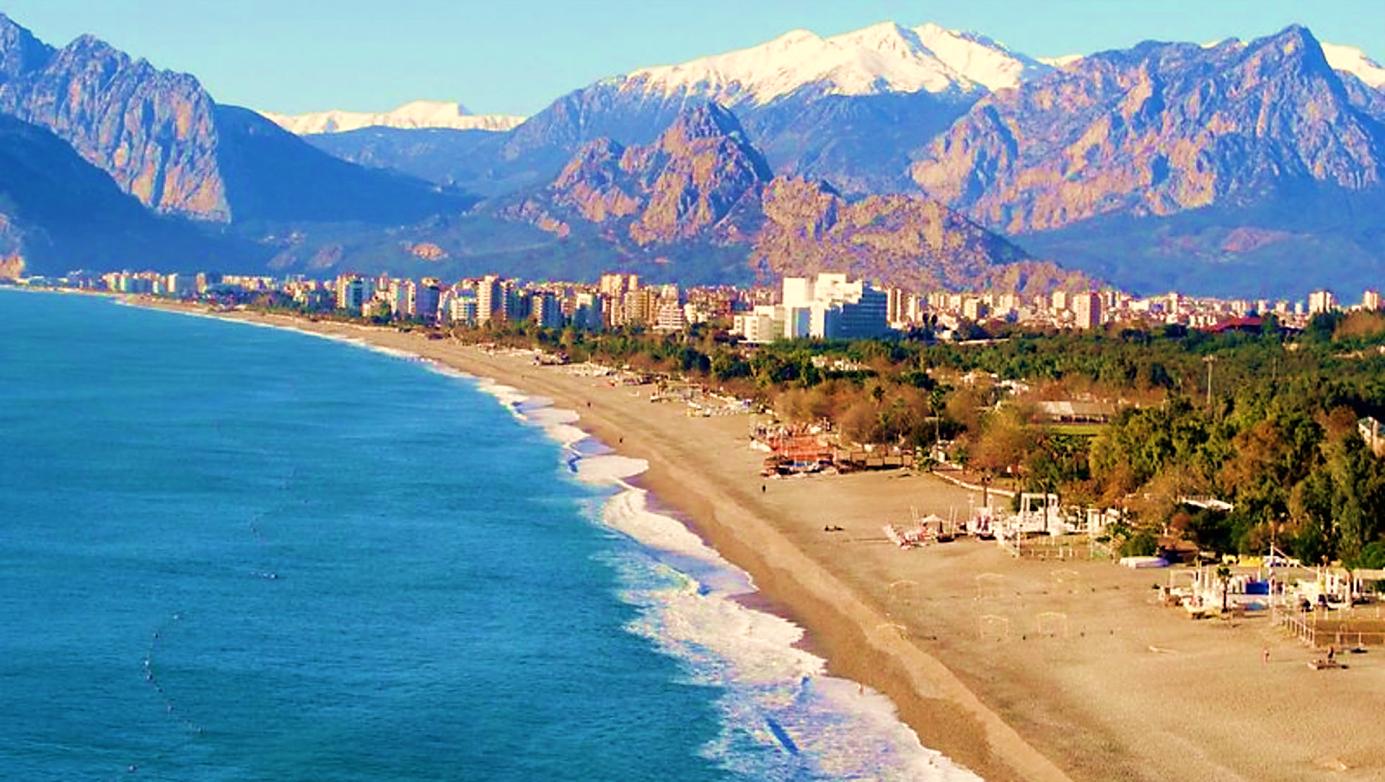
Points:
x=1128, y=691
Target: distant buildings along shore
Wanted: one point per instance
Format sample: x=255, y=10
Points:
x=828, y=306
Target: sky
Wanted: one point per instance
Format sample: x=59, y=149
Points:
x=516, y=56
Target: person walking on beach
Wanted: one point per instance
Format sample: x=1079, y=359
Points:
x=1265, y=656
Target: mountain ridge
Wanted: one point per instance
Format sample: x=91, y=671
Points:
x=56, y=207
x=164, y=140
x=1155, y=129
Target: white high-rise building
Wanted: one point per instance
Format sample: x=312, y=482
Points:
x=763, y=324
x=1059, y=301
x=831, y=307
x=461, y=308
x=1321, y=301
x=670, y=316
x=545, y=310
x=402, y=298
x=1086, y=309
x=351, y=292
x=489, y=298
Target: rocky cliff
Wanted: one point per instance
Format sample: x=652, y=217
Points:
x=153, y=131
x=910, y=241
x=703, y=183
x=700, y=179
x=59, y=212
x=1156, y=130
x=163, y=140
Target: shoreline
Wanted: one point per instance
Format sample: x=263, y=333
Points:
x=858, y=641
x=1122, y=690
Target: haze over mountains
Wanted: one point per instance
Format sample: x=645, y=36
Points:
x=919, y=155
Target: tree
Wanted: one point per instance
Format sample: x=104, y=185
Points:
x=1224, y=576
x=860, y=423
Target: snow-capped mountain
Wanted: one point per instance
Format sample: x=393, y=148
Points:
x=849, y=108
x=1354, y=61
x=1347, y=59
x=883, y=58
x=414, y=115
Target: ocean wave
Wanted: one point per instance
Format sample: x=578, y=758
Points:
x=783, y=717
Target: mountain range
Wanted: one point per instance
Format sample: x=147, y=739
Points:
x=702, y=185
x=917, y=155
x=410, y=116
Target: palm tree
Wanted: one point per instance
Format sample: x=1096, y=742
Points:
x=1224, y=576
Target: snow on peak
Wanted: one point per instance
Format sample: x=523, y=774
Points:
x=1354, y=61
x=881, y=58
x=979, y=59
x=1061, y=61
x=416, y=114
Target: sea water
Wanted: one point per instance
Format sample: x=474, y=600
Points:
x=241, y=553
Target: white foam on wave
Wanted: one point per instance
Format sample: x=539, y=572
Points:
x=509, y=396
x=628, y=512
x=782, y=716
x=609, y=469
x=557, y=423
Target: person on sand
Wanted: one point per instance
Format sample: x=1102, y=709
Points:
x=1265, y=656
x=1331, y=654
x=762, y=488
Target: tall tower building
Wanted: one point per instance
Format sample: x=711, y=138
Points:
x=1086, y=309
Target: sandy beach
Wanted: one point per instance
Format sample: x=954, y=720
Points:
x=1127, y=690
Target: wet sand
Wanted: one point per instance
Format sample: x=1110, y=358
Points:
x=1121, y=689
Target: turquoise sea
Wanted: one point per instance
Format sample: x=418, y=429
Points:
x=240, y=553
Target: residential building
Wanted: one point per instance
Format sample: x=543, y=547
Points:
x=1321, y=301
x=670, y=316
x=545, y=310
x=763, y=324
x=589, y=312
x=351, y=292
x=1086, y=308
x=427, y=299
x=489, y=298
x=462, y=308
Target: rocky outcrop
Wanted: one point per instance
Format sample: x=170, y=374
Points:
x=11, y=265
x=702, y=183
x=59, y=212
x=910, y=241
x=1156, y=130
x=692, y=182
x=153, y=131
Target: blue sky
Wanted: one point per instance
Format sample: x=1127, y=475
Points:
x=514, y=56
